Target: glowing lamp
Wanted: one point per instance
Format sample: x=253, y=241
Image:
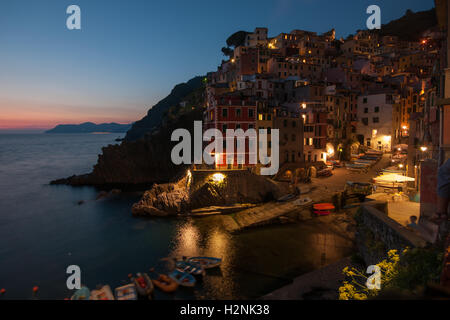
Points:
x=218, y=177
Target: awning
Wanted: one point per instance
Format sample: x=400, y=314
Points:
x=393, y=177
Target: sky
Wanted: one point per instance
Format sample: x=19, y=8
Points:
x=128, y=55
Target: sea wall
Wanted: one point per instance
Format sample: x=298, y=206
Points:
x=377, y=233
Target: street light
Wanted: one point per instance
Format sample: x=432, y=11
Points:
x=423, y=148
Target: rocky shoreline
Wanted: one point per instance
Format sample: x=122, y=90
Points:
x=199, y=189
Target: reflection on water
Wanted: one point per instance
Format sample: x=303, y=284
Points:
x=193, y=239
x=46, y=230
x=256, y=261
x=187, y=240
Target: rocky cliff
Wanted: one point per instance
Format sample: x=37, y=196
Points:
x=202, y=189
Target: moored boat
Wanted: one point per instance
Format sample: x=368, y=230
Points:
x=81, y=294
x=104, y=293
x=126, y=292
x=144, y=286
x=165, y=283
x=191, y=267
x=356, y=165
x=323, y=209
x=206, y=262
x=374, y=152
x=182, y=278
x=373, y=158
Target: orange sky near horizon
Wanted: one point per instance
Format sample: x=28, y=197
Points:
x=29, y=115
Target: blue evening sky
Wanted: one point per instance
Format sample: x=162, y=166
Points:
x=129, y=54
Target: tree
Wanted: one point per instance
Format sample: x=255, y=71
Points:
x=237, y=39
x=228, y=51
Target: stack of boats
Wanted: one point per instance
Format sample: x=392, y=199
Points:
x=142, y=286
x=364, y=161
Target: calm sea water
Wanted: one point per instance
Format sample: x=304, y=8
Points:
x=43, y=230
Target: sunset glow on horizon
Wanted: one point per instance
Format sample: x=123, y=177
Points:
x=34, y=116
x=116, y=69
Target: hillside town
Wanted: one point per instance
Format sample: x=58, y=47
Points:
x=332, y=99
x=365, y=91
x=360, y=130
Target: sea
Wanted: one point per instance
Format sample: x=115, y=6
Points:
x=46, y=228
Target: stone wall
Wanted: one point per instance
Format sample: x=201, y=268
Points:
x=377, y=233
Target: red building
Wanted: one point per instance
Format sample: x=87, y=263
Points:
x=230, y=112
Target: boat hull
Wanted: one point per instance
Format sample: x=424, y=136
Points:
x=206, y=262
x=148, y=289
x=126, y=292
x=183, y=278
x=165, y=283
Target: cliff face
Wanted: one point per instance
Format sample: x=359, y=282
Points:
x=142, y=162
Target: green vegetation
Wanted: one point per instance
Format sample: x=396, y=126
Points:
x=407, y=273
x=237, y=39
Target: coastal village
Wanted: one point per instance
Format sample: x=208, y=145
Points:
x=363, y=125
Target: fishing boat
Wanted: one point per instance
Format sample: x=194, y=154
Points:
x=165, y=283
x=182, y=278
x=206, y=262
x=326, y=172
x=323, y=209
x=374, y=152
x=336, y=163
x=356, y=165
x=367, y=164
x=191, y=267
x=126, y=292
x=81, y=294
x=104, y=293
x=144, y=286
x=373, y=158
x=363, y=161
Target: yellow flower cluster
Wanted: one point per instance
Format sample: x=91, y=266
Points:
x=355, y=288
